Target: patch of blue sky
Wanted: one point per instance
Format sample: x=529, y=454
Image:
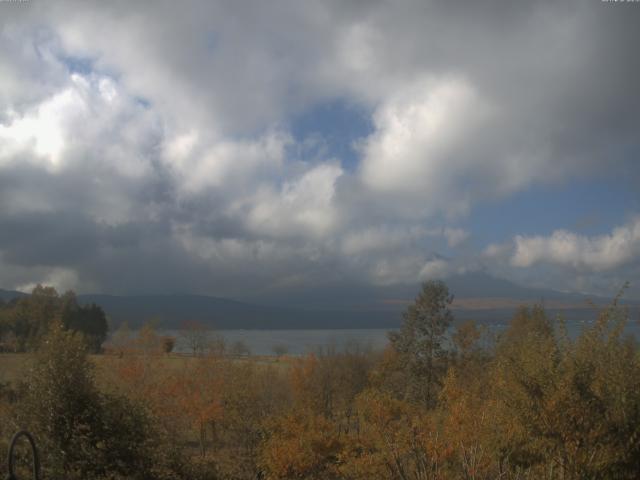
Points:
x=583, y=206
x=332, y=129
x=81, y=65
x=143, y=102
x=86, y=66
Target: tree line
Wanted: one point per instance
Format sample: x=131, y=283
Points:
x=437, y=403
x=25, y=321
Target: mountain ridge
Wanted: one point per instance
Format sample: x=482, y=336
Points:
x=478, y=296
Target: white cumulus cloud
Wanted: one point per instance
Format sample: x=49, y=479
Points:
x=303, y=206
x=597, y=253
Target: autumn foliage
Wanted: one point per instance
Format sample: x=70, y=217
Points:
x=442, y=401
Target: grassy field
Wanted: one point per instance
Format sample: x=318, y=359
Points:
x=15, y=366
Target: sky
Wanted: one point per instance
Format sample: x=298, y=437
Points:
x=278, y=149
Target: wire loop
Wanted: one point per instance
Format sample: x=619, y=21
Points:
x=11, y=457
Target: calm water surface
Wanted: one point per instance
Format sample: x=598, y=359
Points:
x=300, y=342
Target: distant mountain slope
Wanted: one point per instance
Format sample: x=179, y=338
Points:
x=472, y=285
x=478, y=295
x=171, y=310
x=483, y=285
x=7, y=295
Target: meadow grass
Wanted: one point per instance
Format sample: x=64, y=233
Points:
x=15, y=366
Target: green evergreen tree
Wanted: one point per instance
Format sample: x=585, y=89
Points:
x=420, y=342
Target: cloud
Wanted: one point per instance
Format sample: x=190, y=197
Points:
x=418, y=147
x=455, y=236
x=225, y=164
x=435, y=269
x=595, y=254
x=151, y=149
x=302, y=206
x=380, y=239
x=61, y=279
x=564, y=260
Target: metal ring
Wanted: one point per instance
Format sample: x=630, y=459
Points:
x=11, y=459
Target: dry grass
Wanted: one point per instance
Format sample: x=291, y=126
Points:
x=14, y=366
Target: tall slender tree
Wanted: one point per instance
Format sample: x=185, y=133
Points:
x=420, y=341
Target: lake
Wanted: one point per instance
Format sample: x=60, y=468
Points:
x=300, y=342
